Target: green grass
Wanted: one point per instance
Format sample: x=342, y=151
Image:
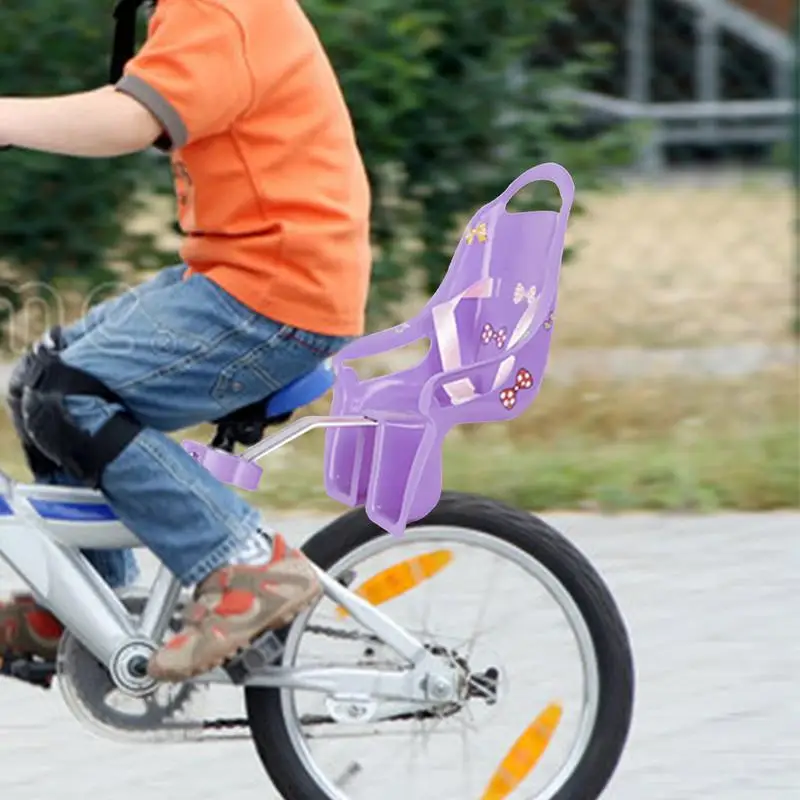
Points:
x=672, y=445
x=696, y=445
x=757, y=470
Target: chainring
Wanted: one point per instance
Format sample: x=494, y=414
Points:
x=169, y=713
x=173, y=713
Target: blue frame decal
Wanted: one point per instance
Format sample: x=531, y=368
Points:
x=5, y=508
x=61, y=511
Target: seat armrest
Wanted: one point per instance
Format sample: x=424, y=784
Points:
x=385, y=341
x=438, y=381
x=442, y=379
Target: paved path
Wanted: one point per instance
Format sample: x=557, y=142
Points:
x=712, y=604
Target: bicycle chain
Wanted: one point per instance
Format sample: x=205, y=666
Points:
x=222, y=723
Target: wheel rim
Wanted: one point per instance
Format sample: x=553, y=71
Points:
x=437, y=536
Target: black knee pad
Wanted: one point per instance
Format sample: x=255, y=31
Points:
x=21, y=376
x=52, y=430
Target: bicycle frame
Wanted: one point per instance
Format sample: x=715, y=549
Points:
x=44, y=528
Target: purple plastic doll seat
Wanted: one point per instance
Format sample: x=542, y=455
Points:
x=489, y=325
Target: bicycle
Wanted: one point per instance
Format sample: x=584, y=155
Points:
x=405, y=678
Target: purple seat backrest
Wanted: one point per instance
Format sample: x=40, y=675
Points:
x=510, y=263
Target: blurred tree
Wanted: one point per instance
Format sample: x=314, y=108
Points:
x=63, y=219
x=451, y=101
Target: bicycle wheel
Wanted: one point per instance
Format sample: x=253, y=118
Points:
x=459, y=549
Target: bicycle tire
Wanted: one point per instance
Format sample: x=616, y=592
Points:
x=553, y=550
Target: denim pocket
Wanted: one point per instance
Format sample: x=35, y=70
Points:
x=242, y=382
x=285, y=355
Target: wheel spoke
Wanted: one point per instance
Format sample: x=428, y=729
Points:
x=483, y=608
x=477, y=611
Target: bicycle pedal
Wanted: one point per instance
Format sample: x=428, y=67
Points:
x=262, y=653
x=35, y=673
x=267, y=650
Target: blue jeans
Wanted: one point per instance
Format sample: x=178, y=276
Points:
x=178, y=353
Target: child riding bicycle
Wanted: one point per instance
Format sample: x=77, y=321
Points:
x=274, y=203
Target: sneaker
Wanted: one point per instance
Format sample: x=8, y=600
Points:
x=232, y=607
x=26, y=629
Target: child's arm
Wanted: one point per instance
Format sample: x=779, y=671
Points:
x=98, y=124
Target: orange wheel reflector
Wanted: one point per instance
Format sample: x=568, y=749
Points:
x=401, y=578
x=524, y=755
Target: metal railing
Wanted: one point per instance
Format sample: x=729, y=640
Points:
x=708, y=120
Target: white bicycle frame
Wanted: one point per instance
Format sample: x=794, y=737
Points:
x=44, y=528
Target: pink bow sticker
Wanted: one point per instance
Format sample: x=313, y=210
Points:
x=521, y=293
x=508, y=397
x=489, y=334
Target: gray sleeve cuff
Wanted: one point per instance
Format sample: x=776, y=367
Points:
x=158, y=106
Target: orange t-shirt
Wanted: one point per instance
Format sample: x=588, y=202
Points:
x=272, y=192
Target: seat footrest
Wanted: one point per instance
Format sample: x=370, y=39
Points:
x=225, y=467
x=393, y=469
x=348, y=463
